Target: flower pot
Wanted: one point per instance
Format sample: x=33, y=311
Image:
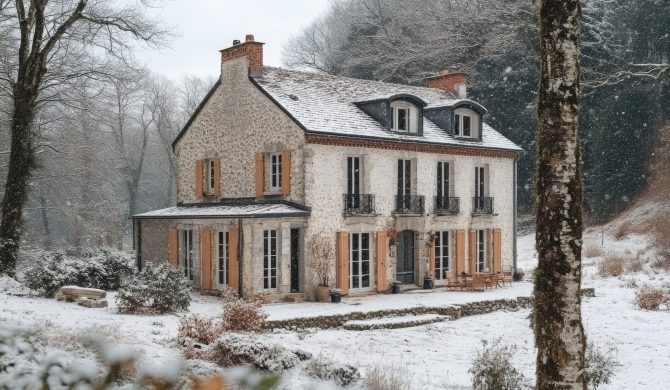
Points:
x=322, y=294
x=335, y=297
x=395, y=288
x=427, y=283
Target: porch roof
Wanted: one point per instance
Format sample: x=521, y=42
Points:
x=253, y=210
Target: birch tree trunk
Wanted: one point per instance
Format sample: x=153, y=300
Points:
x=559, y=334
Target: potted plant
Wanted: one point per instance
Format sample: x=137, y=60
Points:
x=322, y=255
x=395, y=287
x=335, y=295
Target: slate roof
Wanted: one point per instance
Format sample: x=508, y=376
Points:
x=323, y=103
x=203, y=211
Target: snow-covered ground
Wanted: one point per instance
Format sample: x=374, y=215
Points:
x=435, y=356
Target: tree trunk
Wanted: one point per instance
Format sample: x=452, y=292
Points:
x=559, y=334
x=16, y=187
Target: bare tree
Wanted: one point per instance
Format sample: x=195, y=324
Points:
x=559, y=334
x=48, y=33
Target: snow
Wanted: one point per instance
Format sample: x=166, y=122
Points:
x=435, y=356
x=226, y=211
x=397, y=320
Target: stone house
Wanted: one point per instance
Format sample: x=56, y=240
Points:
x=405, y=181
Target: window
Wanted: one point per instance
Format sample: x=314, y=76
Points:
x=186, y=253
x=405, y=117
x=359, y=260
x=405, y=177
x=209, y=167
x=222, y=253
x=269, y=259
x=481, y=251
x=443, y=178
x=480, y=182
x=353, y=175
x=442, y=254
x=275, y=171
x=462, y=125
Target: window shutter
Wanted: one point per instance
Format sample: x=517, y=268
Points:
x=497, y=250
x=173, y=247
x=233, y=261
x=342, y=254
x=439, y=180
x=286, y=173
x=260, y=174
x=198, y=179
x=460, y=251
x=431, y=255
x=380, y=256
x=472, y=244
x=217, y=178
x=205, y=259
x=452, y=169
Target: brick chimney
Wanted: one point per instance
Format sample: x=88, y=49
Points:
x=456, y=83
x=249, y=48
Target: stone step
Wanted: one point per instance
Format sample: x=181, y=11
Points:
x=395, y=322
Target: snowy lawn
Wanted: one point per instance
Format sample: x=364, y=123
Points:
x=435, y=356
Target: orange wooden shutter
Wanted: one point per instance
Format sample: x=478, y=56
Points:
x=173, y=247
x=497, y=247
x=342, y=254
x=198, y=179
x=431, y=256
x=286, y=173
x=205, y=259
x=217, y=178
x=233, y=261
x=260, y=174
x=460, y=251
x=380, y=257
x=472, y=250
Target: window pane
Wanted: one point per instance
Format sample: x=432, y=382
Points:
x=457, y=128
x=402, y=118
x=466, y=126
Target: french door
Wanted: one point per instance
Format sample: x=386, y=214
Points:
x=359, y=260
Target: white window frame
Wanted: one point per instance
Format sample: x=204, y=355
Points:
x=444, y=253
x=187, y=253
x=459, y=128
x=481, y=181
x=274, y=172
x=270, y=254
x=209, y=167
x=411, y=122
x=482, y=250
x=357, y=254
x=445, y=188
x=222, y=259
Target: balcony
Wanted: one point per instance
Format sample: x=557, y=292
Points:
x=359, y=204
x=447, y=205
x=482, y=205
x=409, y=204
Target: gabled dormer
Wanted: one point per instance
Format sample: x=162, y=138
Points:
x=400, y=113
x=462, y=119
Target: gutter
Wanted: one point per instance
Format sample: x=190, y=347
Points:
x=514, y=196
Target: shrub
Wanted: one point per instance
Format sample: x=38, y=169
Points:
x=634, y=265
x=241, y=314
x=651, y=298
x=622, y=230
x=97, y=268
x=518, y=275
x=493, y=369
x=201, y=329
x=326, y=369
x=388, y=378
x=592, y=251
x=241, y=349
x=158, y=288
x=612, y=265
x=600, y=365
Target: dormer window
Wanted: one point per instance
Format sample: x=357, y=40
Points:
x=462, y=125
x=405, y=117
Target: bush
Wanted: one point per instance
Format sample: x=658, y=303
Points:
x=493, y=369
x=96, y=268
x=241, y=314
x=651, y=298
x=158, y=288
x=635, y=265
x=518, y=275
x=200, y=329
x=240, y=349
x=612, y=265
x=600, y=365
x=388, y=378
x=622, y=230
x=592, y=251
x=327, y=369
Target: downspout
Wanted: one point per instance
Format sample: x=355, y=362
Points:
x=514, y=190
x=240, y=256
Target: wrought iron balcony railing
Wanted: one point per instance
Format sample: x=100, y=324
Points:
x=409, y=204
x=447, y=205
x=359, y=204
x=482, y=205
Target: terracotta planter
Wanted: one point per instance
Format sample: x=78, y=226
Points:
x=322, y=294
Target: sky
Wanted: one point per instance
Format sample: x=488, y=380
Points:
x=206, y=26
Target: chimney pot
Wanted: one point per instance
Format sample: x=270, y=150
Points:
x=236, y=42
x=250, y=49
x=249, y=38
x=445, y=72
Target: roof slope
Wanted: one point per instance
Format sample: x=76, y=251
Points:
x=261, y=210
x=323, y=103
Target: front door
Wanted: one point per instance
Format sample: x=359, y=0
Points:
x=405, y=259
x=295, y=260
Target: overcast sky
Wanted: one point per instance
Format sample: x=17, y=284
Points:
x=207, y=26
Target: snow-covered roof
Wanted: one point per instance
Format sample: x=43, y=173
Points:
x=323, y=103
x=263, y=210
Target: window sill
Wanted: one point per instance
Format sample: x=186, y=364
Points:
x=403, y=132
x=273, y=192
x=484, y=214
